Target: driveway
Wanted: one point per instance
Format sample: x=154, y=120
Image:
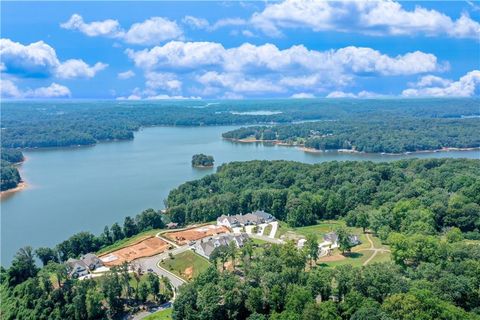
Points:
x=152, y=263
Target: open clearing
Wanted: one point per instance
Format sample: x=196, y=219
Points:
x=145, y=248
x=165, y=314
x=184, y=236
x=128, y=241
x=187, y=265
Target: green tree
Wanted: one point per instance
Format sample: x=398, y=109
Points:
x=311, y=246
x=23, y=266
x=129, y=227
x=46, y=255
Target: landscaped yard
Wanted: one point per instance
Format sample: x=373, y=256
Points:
x=165, y=314
x=319, y=229
x=187, y=265
x=128, y=241
x=267, y=230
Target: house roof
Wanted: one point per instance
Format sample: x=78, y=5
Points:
x=249, y=218
x=90, y=259
x=222, y=240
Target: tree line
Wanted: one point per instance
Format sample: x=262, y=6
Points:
x=430, y=279
x=374, y=135
x=43, y=124
x=406, y=196
x=10, y=177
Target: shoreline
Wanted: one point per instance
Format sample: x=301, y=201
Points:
x=6, y=193
x=313, y=150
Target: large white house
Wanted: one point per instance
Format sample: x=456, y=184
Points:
x=239, y=220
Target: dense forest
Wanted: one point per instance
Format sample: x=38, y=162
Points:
x=390, y=135
x=30, y=292
x=406, y=196
x=431, y=279
x=59, y=124
x=202, y=160
x=423, y=209
x=10, y=178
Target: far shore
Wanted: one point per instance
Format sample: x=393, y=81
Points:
x=313, y=150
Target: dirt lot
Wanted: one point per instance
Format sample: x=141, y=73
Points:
x=145, y=248
x=184, y=236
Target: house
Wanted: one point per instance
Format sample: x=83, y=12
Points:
x=239, y=220
x=172, y=225
x=81, y=267
x=331, y=239
x=205, y=247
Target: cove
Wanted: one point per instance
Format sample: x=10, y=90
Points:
x=83, y=189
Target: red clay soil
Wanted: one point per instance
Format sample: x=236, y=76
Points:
x=184, y=236
x=145, y=248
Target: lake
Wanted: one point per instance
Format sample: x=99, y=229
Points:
x=83, y=189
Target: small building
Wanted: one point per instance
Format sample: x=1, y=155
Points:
x=331, y=239
x=239, y=220
x=205, y=247
x=81, y=267
x=172, y=225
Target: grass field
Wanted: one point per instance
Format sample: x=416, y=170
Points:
x=187, y=265
x=319, y=229
x=128, y=241
x=267, y=230
x=165, y=314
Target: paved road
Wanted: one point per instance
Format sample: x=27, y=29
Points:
x=152, y=263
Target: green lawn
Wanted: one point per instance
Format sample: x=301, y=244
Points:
x=128, y=241
x=181, y=263
x=320, y=229
x=165, y=314
x=267, y=230
x=355, y=259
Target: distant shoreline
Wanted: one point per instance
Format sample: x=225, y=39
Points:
x=313, y=150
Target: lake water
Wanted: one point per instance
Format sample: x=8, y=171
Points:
x=84, y=189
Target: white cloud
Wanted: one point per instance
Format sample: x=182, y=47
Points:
x=126, y=75
x=75, y=68
x=176, y=54
x=55, y=90
x=252, y=69
x=360, y=95
x=194, y=22
x=467, y=86
x=167, y=97
x=165, y=81
x=107, y=28
x=238, y=83
x=369, y=17
x=38, y=59
x=430, y=80
x=153, y=31
x=149, y=32
x=302, y=95
x=8, y=89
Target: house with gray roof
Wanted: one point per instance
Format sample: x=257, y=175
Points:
x=332, y=238
x=205, y=247
x=81, y=267
x=241, y=220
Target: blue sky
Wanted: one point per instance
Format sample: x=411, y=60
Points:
x=212, y=50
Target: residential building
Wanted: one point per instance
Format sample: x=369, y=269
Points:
x=81, y=267
x=239, y=220
x=205, y=247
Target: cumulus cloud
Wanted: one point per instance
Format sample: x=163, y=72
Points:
x=8, y=89
x=467, y=86
x=162, y=80
x=196, y=23
x=360, y=95
x=149, y=32
x=193, y=55
x=253, y=69
x=38, y=59
x=106, y=28
x=75, y=68
x=385, y=17
x=125, y=75
x=302, y=95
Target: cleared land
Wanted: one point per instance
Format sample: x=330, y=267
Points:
x=145, y=248
x=184, y=236
x=187, y=265
x=128, y=241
